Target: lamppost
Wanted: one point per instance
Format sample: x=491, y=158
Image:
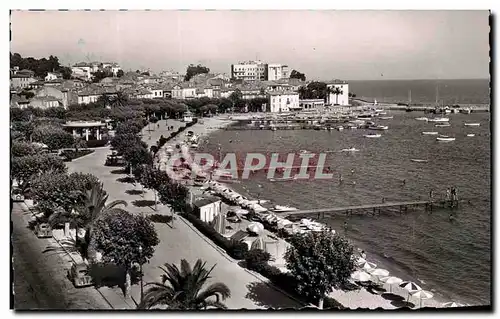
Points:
x=140, y=268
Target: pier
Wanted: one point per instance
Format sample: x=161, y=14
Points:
x=372, y=208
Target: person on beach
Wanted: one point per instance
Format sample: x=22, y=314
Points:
x=404, y=182
x=451, y=217
x=363, y=254
x=448, y=193
x=383, y=200
x=341, y=179
x=431, y=195
x=345, y=226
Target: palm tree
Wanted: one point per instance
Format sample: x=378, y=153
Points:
x=182, y=288
x=94, y=206
x=337, y=91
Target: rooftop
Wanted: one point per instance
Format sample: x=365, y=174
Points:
x=203, y=201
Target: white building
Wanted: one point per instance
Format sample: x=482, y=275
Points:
x=250, y=71
x=277, y=72
x=21, y=80
x=283, y=101
x=207, y=208
x=52, y=76
x=183, y=91
x=82, y=70
x=312, y=104
x=339, y=94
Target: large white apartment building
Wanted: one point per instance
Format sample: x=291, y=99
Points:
x=277, y=72
x=250, y=71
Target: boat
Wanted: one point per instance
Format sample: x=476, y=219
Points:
x=472, y=124
x=445, y=139
x=386, y=117
x=439, y=119
x=442, y=125
x=194, y=145
x=373, y=135
x=429, y=133
x=421, y=119
x=471, y=135
x=416, y=160
x=340, y=128
x=379, y=110
x=280, y=208
x=465, y=111
x=352, y=149
x=379, y=128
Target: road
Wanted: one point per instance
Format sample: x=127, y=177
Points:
x=181, y=241
x=39, y=279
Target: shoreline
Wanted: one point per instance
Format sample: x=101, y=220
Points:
x=436, y=301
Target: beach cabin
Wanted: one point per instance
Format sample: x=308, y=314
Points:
x=207, y=208
x=187, y=117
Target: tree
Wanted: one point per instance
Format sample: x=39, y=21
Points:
x=173, y=195
x=101, y=74
x=120, y=73
x=153, y=179
x=337, y=91
x=256, y=259
x=118, y=237
x=183, y=288
x=193, y=70
x=18, y=149
x=320, y=262
x=121, y=142
x=297, y=75
x=66, y=72
x=26, y=167
x=137, y=154
x=54, y=137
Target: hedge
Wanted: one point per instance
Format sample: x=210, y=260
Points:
x=235, y=249
x=70, y=155
x=97, y=143
x=159, y=218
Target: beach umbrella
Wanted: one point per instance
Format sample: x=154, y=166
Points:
x=220, y=224
x=391, y=281
x=378, y=272
x=359, y=261
x=255, y=227
x=360, y=275
x=410, y=286
x=368, y=265
x=422, y=294
x=452, y=304
x=258, y=243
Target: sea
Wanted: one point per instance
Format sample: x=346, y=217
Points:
x=447, y=92
x=450, y=258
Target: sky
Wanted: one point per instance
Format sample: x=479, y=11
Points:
x=350, y=45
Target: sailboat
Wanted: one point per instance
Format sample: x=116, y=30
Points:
x=408, y=109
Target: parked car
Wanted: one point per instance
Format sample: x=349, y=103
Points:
x=17, y=195
x=114, y=160
x=79, y=275
x=43, y=230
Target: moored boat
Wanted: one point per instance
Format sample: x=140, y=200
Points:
x=379, y=128
x=472, y=124
x=281, y=208
x=471, y=135
x=445, y=139
x=465, y=111
x=386, y=117
x=352, y=149
x=429, y=133
x=421, y=119
x=439, y=119
x=442, y=125
x=372, y=135
x=416, y=160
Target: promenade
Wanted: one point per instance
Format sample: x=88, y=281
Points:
x=182, y=241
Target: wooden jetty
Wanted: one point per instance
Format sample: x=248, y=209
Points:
x=372, y=208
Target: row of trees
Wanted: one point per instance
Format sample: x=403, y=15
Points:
x=40, y=66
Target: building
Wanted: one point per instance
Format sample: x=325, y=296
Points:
x=283, y=101
x=312, y=104
x=207, y=208
x=53, y=76
x=19, y=101
x=82, y=70
x=21, y=80
x=277, y=72
x=184, y=91
x=91, y=130
x=156, y=91
x=59, y=93
x=249, y=71
x=92, y=93
x=45, y=102
x=339, y=92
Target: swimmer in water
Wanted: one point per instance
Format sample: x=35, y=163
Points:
x=404, y=181
x=451, y=217
x=341, y=179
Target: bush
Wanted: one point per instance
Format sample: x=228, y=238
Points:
x=70, y=155
x=256, y=258
x=208, y=231
x=237, y=249
x=159, y=218
x=97, y=143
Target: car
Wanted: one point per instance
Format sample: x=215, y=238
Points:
x=79, y=275
x=17, y=195
x=114, y=160
x=43, y=230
